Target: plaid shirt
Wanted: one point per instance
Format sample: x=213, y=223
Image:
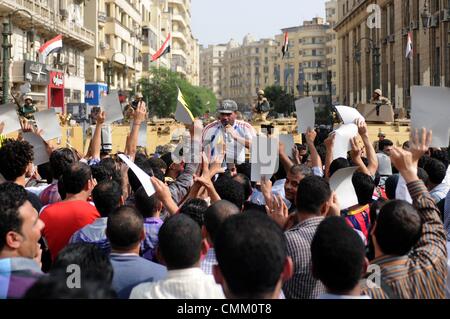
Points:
x=17, y=275
x=423, y=273
x=209, y=261
x=302, y=285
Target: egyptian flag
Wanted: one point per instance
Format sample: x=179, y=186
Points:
x=409, y=47
x=285, y=47
x=163, y=50
x=49, y=47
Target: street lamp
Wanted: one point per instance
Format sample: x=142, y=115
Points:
x=425, y=16
x=110, y=69
x=375, y=59
x=6, y=45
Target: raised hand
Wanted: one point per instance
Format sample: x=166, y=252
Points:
x=420, y=142
x=362, y=127
x=278, y=212
x=405, y=163
x=140, y=113
x=329, y=141
x=311, y=136
x=101, y=118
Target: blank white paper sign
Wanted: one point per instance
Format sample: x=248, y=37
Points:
x=288, y=141
x=341, y=184
x=306, y=115
x=8, y=115
x=111, y=105
x=49, y=123
x=348, y=114
x=342, y=142
x=263, y=157
x=142, y=137
x=140, y=174
x=39, y=148
x=430, y=108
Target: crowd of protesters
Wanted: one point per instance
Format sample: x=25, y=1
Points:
x=209, y=232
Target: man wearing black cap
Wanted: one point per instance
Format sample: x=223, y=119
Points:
x=227, y=131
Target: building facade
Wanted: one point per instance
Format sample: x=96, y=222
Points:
x=185, y=48
x=331, y=14
x=248, y=68
x=61, y=78
x=212, y=68
x=372, y=48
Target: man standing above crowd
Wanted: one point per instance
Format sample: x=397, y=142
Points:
x=236, y=135
x=379, y=100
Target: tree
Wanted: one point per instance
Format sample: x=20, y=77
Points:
x=280, y=100
x=161, y=92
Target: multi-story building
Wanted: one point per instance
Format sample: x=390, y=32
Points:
x=372, y=46
x=212, y=68
x=303, y=70
x=331, y=48
x=61, y=78
x=117, y=53
x=185, y=48
x=247, y=68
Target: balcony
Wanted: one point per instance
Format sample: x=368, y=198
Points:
x=180, y=36
x=102, y=17
x=180, y=19
x=114, y=27
x=48, y=23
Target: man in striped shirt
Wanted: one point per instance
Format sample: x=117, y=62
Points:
x=410, y=242
x=227, y=130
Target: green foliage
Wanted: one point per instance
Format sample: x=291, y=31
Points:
x=280, y=101
x=160, y=91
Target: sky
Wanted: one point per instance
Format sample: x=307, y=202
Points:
x=218, y=21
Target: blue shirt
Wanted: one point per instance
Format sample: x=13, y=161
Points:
x=131, y=270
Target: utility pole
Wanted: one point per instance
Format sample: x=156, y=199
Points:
x=6, y=49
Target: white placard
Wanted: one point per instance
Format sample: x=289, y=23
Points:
x=341, y=183
x=342, y=142
x=39, y=148
x=8, y=115
x=142, y=137
x=140, y=174
x=48, y=122
x=288, y=141
x=306, y=115
x=348, y=114
x=111, y=105
x=264, y=157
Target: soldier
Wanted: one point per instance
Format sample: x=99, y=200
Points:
x=378, y=99
x=261, y=108
x=28, y=109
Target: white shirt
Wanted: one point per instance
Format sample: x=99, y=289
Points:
x=215, y=132
x=190, y=283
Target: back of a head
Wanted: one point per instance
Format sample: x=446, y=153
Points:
x=93, y=262
x=12, y=197
x=337, y=255
x=216, y=214
x=338, y=164
x=398, y=228
x=313, y=192
x=244, y=168
x=180, y=242
x=75, y=177
x=436, y=171
x=246, y=184
x=259, y=245
x=157, y=163
x=132, y=178
x=230, y=190
x=422, y=174
x=124, y=228
x=391, y=185
x=106, y=196
x=364, y=187
x=146, y=206
x=195, y=208
x=55, y=286
x=60, y=160
x=441, y=155
x=15, y=156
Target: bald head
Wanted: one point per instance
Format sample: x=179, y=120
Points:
x=216, y=214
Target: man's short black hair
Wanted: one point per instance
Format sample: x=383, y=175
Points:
x=15, y=156
x=337, y=164
x=436, y=171
x=12, y=197
x=106, y=196
x=398, y=228
x=55, y=286
x=337, y=255
x=167, y=159
x=216, y=214
x=157, y=163
x=105, y=172
x=180, y=242
x=391, y=185
x=364, y=187
x=93, y=262
x=384, y=143
x=441, y=155
x=60, y=160
x=251, y=251
x=124, y=228
x=132, y=178
x=146, y=205
x=246, y=184
x=195, y=208
x=244, y=168
x=312, y=193
x=75, y=177
x=230, y=190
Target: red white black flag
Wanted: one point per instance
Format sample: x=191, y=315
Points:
x=163, y=50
